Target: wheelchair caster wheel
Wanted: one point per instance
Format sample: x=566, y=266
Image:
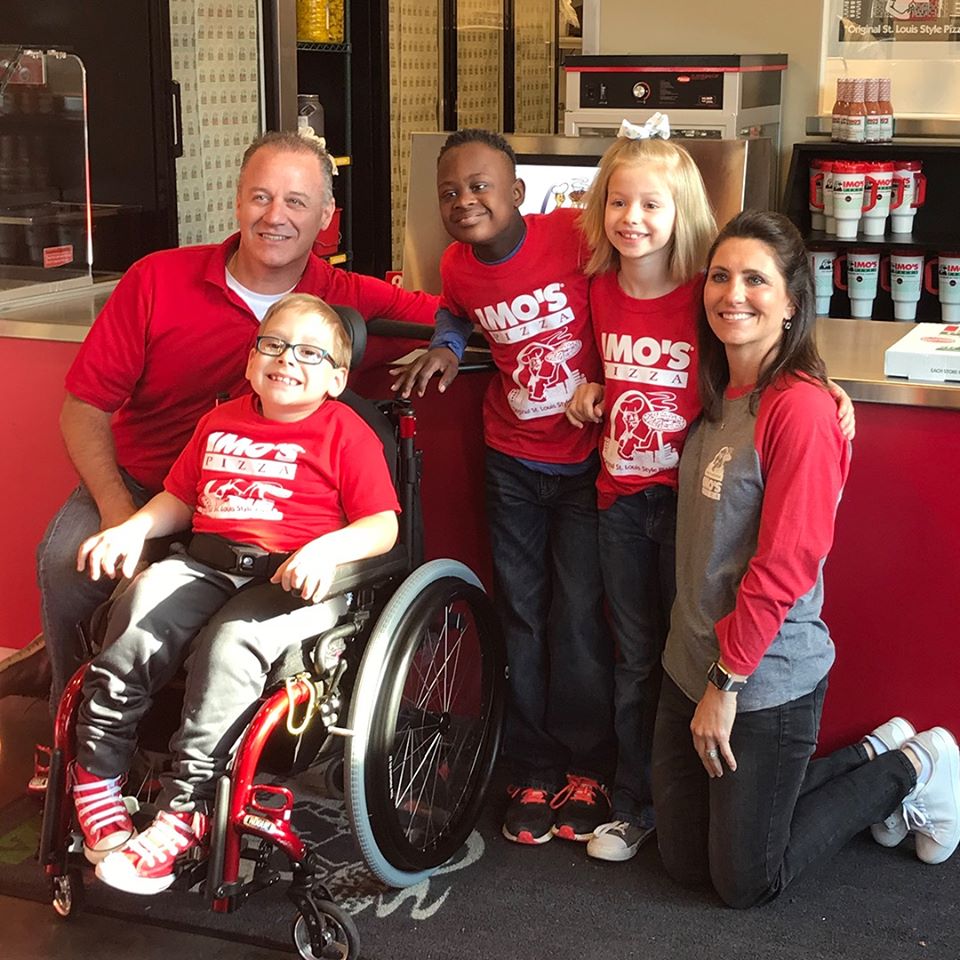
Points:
x=67, y=893
x=328, y=934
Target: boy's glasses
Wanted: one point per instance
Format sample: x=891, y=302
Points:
x=303, y=352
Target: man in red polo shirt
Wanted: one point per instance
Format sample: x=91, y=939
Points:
x=170, y=343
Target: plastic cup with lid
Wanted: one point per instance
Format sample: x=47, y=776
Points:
x=902, y=274
x=947, y=287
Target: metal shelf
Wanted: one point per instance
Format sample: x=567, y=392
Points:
x=323, y=47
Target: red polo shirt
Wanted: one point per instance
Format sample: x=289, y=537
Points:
x=173, y=337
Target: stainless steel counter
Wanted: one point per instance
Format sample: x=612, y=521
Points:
x=853, y=351
x=64, y=318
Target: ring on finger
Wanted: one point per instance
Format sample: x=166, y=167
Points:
x=713, y=753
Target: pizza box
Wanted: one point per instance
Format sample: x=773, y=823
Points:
x=930, y=351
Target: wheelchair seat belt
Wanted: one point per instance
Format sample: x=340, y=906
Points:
x=245, y=559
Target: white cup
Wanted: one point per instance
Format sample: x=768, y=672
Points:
x=947, y=288
x=874, y=219
x=863, y=271
x=821, y=265
x=852, y=196
x=909, y=193
x=902, y=275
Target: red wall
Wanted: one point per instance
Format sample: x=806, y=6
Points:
x=892, y=579
x=36, y=475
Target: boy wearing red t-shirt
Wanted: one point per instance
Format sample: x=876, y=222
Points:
x=520, y=279
x=279, y=487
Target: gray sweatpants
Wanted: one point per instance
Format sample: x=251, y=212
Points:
x=228, y=630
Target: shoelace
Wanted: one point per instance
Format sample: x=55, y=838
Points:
x=618, y=826
x=99, y=803
x=917, y=818
x=582, y=789
x=530, y=795
x=167, y=836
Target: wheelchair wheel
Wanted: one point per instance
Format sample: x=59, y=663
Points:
x=336, y=933
x=426, y=713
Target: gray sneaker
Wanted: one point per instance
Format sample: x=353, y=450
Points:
x=933, y=808
x=892, y=734
x=617, y=841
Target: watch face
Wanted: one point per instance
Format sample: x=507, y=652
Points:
x=722, y=680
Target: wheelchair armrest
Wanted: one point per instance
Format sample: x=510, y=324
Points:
x=359, y=573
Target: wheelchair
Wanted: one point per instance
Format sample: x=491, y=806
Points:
x=415, y=665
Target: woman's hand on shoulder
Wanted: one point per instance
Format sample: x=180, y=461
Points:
x=586, y=405
x=846, y=416
x=414, y=377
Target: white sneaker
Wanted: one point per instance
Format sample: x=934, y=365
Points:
x=892, y=734
x=617, y=841
x=933, y=808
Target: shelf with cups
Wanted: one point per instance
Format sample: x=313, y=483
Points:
x=882, y=223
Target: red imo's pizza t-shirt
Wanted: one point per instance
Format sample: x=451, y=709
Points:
x=533, y=309
x=280, y=485
x=650, y=399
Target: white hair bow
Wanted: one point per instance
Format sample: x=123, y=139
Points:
x=657, y=127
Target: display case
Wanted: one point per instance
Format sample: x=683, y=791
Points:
x=935, y=224
x=46, y=217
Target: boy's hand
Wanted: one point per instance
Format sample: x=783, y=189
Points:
x=846, y=416
x=586, y=405
x=102, y=551
x=416, y=375
x=309, y=571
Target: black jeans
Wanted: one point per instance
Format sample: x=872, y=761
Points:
x=753, y=831
x=637, y=560
x=543, y=532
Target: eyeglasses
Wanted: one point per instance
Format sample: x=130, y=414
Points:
x=303, y=352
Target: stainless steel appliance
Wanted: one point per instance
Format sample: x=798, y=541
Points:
x=706, y=97
x=722, y=97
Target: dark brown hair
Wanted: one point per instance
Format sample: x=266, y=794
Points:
x=795, y=352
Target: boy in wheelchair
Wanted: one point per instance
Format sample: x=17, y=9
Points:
x=279, y=487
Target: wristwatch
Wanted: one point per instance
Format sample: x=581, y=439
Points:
x=723, y=680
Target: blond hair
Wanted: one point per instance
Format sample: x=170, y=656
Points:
x=306, y=304
x=694, y=227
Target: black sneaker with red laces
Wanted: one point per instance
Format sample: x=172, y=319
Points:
x=581, y=806
x=529, y=816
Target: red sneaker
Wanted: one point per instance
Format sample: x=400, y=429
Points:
x=146, y=864
x=581, y=806
x=103, y=818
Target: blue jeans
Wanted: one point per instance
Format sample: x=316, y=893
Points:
x=549, y=596
x=67, y=596
x=754, y=831
x=637, y=553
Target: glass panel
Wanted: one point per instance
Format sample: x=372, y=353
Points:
x=45, y=211
x=480, y=64
x=534, y=98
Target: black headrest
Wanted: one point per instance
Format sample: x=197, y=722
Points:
x=356, y=328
